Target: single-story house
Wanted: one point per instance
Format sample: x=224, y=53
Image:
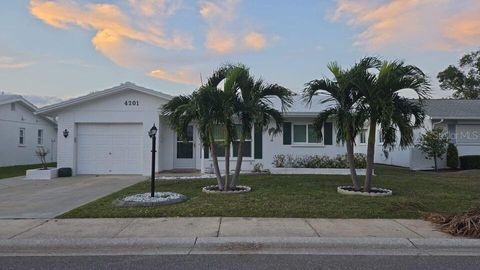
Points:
x=106, y=132
x=22, y=132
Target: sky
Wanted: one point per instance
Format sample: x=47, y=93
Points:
x=53, y=50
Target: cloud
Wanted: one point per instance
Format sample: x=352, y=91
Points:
x=151, y=8
x=7, y=62
x=223, y=35
x=114, y=28
x=255, y=41
x=185, y=76
x=424, y=24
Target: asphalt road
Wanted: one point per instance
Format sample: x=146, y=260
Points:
x=198, y=262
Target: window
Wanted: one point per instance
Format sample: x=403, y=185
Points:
x=185, y=147
x=363, y=136
x=305, y=134
x=380, y=136
x=247, y=145
x=40, y=137
x=220, y=148
x=12, y=107
x=21, y=136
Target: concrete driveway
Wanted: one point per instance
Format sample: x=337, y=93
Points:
x=21, y=198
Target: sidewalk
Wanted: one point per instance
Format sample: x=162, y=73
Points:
x=224, y=235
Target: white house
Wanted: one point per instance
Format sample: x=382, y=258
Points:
x=21, y=132
x=106, y=132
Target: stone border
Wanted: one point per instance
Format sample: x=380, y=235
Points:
x=385, y=192
x=122, y=203
x=320, y=171
x=208, y=191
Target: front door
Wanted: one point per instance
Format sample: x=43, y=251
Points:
x=185, y=151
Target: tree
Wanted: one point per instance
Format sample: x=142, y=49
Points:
x=452, y=156
x=433, y=144
x=463, y=79
x=203, y=107
x=382, y=101
x=344, y=112
x=255, y=109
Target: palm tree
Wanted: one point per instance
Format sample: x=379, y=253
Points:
x=200, y=107
x=344, y=110
x=382, y=102
x=255, y=109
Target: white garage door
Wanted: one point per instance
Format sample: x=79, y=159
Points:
x=109, y=149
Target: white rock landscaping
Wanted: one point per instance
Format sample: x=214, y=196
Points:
x=374, y=192
x=144, y=199
x=213, y=189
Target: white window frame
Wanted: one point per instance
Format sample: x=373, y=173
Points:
x=231, y=149
x=363, y=131
x=380, y=137
x=21, y=136
x=306, y=143
x=40, y=136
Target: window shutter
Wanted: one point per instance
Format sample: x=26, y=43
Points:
x=287, y=133
x=258, y=143
x=328, y=133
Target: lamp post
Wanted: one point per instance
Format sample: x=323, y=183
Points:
x=152, y=133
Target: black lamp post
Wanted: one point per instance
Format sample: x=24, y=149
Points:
x=152, y=133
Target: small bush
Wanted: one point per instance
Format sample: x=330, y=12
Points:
x=317, y=161
x=470, y=162
x=452, y=156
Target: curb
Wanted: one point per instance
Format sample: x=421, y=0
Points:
x=236, y=245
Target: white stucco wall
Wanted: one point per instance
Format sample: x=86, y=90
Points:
x=11, y=152
x=111, y=109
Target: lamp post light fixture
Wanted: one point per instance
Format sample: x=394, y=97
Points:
x=65, y=133
x=152, y=133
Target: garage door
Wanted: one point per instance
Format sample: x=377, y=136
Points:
x=109, y=149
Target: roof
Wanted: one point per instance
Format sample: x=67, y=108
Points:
x=7, y=99
x=453, y=108
x=114, y=90
x=300, y=108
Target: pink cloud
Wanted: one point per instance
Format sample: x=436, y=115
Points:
x=184, y=76
x=419, y=24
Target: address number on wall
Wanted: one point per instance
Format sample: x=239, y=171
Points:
x=131, y=103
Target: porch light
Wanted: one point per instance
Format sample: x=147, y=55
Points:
x=65, y=133
x=153, y=131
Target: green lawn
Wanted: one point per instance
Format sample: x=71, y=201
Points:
x=12, y=171
x=310, y=196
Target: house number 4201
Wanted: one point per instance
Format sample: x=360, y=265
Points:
x=131, y=103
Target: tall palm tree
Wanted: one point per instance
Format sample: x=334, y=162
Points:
x=344, y=110
x=255, y=109
x=383, y=103
x=199, y=107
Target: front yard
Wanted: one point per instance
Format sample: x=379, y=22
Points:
x=12, y=171
x=311, y=196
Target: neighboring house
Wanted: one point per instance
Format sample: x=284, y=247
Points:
x=108, y=134
x=21, y=132
x=460, y=118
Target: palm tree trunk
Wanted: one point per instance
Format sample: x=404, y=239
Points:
x=370, y=155
x=216, y=168
x=227, y=166
x=351, y=163
x=238, y=166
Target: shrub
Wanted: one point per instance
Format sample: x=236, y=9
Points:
x=470, y=162
x=452, y=156
x=316, y=161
